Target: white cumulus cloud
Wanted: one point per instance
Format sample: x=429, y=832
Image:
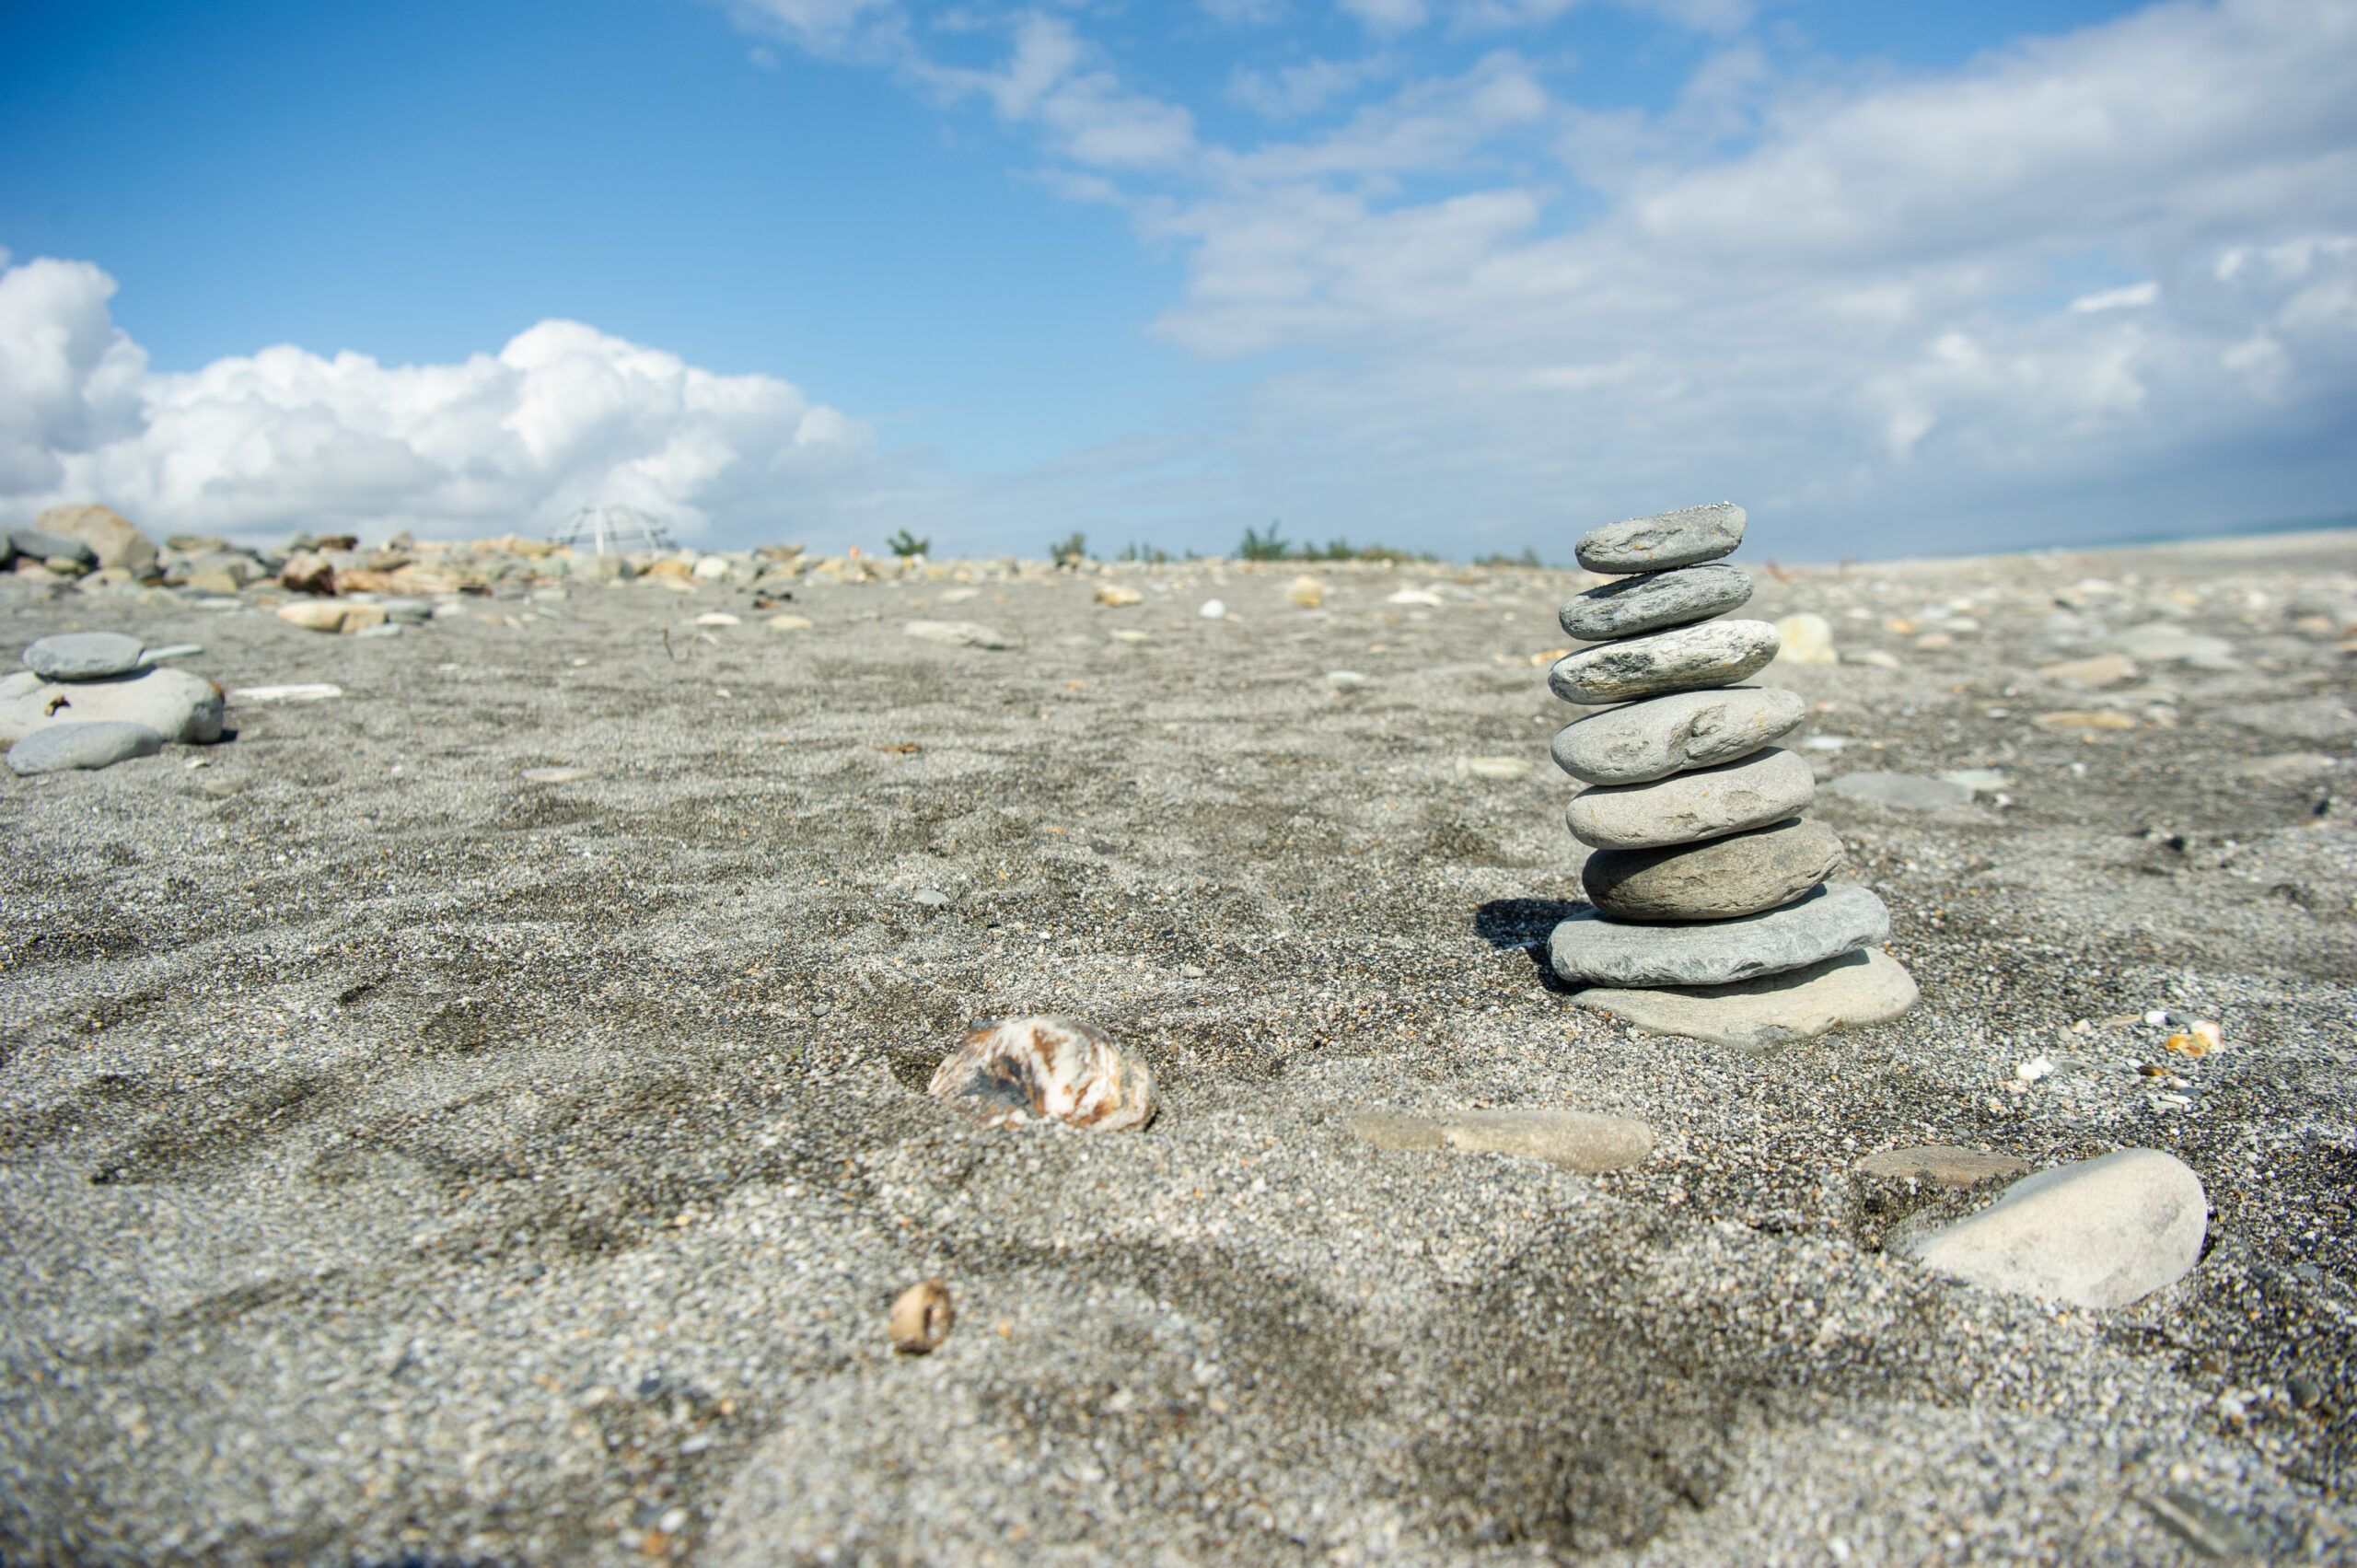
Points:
x=563, y=416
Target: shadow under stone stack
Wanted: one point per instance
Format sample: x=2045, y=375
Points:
x=1705, y=879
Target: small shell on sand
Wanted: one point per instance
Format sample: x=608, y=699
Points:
x=920, y=1318
x=1020, y=1069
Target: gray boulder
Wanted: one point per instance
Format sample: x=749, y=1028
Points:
x=43, y=545
x=175, y=705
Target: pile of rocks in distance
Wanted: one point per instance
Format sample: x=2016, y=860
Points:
x=1704, y=877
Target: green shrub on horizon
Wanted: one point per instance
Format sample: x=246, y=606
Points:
x=1070, y=551
x=905, y=544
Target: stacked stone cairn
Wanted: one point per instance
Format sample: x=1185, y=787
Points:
x=1703, y=872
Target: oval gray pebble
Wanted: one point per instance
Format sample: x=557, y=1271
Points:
x=1686, y=808
x=1838, y=918
x=64, y=747
x=1655, y=600
x=1665, y=539
x=1684, y=658
x=83, y=655
x=1741, y=874
x=1641, y=741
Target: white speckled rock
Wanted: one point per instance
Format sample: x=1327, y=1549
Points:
x=1684, y=808
x=1740, y=873
x=1045, y=1068
x=1683, y=659
x=1652, y=600
x=67, y=745
x=2099, y=1234
x=1588, y=950
x=1665, y=539
x=1638, y=742
x=175, y=705
x=83, y=655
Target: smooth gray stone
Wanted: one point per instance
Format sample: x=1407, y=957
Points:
x=1638, y=742
x=1848, y=989
x=67, y=745
x=1741, y=874
x=1665, y=539
x=2097, y=1234
x=174, y=704
x=83, y=655
x=43, y=545
x=1683, y=659
x=1708, y=803
x=170, y=650
x=1655, y=600
x=1911, y=792
x=1840, y=917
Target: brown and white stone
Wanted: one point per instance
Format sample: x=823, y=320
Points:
x=1045, y=1068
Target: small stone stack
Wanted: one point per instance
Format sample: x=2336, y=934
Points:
x=1704, y=877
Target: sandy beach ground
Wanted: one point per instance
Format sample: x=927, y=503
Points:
x=405, y=1159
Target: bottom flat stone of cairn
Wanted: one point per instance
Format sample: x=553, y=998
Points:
x=1867, y=986
x=1836, y=918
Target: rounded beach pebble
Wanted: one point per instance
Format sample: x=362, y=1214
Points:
x=1741, y=874
x=1685, y=808
x=1836, y=918
x=1665, y=539
x=922, y=1318
x=83, y=655
x=1656, y=600
x=2100, y=1233
x=1639, y=742
x=68, y=746
x=1045, y=1068
x=1683, y=659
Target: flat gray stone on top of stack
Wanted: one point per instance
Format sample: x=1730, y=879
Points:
x=1701, y=871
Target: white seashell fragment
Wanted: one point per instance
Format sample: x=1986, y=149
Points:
x=1047, y=1068
x=920, y=1318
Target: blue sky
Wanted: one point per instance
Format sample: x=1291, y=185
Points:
x=1461, y=275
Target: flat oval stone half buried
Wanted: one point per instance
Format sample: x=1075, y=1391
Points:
x=1683, y=659
x=1638, y=742
x=1685, y=808
x=1652, y=600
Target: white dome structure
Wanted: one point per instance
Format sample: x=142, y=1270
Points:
x=613, y=530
